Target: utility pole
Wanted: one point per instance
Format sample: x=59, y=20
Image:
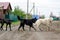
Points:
x=34, y=8
x=39, y=15
x=27, y=8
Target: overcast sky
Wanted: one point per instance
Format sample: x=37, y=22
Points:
x=42, y=6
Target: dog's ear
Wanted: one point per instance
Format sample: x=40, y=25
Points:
x=35, y=18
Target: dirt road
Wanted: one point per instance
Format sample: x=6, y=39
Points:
x=28, y=35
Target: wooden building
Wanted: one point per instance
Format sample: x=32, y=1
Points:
x=4, y=9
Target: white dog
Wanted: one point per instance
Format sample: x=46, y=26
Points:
x=46, y=21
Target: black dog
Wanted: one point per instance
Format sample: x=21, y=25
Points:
x=27, y=22
x=8, y=22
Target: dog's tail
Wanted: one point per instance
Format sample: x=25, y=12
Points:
x=19, y=18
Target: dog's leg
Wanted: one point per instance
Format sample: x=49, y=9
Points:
x=6, y=26
x=23, y=27
x=33, y=28
x=19, y=27
x=2, y=26
x=10, y=27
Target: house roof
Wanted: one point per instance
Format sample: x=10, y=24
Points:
x=5, y=5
